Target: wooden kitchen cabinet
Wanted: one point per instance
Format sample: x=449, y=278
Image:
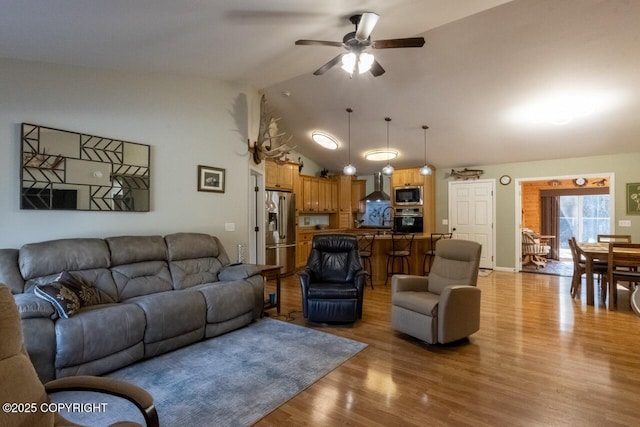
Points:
x=279, y=177
x=334, y=203
x=319, y=195
x=403, y=177
x=303, y=248
x=358, y=191
x=324, y=195
x=310, y=194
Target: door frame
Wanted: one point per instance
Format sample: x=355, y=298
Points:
x=518, y=204
x=256, y=216
x=491, y=181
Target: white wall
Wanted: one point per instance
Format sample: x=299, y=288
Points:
x=186, y=121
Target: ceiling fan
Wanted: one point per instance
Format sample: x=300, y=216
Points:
x=357, y=43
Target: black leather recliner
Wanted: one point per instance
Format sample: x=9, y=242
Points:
x=333, y=280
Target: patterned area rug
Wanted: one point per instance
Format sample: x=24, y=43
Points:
x=231, y=380
x=553, y=267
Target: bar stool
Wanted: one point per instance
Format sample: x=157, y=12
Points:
x=400, y=250
x=365, y=247
x=431, y=252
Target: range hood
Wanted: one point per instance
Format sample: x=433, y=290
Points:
x=377, y=195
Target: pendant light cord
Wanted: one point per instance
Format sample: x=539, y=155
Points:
x=425, y=127
x=387, y=119
x=349, y=111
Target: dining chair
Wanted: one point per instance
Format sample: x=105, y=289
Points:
x=619, y=238
x=365, y=247
x=634, y=300
x=623, y=262
x=401, y=244
x=431, y=252
x=580, y=268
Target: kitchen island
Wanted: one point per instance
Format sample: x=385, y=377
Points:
x=381, y=245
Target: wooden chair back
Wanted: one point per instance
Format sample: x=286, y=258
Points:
x=623, y=262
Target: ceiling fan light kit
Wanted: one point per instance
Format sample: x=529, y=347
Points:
x=357, y=43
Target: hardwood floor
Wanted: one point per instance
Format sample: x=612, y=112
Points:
x=539, y=359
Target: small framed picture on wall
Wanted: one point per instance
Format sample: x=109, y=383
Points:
x=211, y=179
x=633, y=199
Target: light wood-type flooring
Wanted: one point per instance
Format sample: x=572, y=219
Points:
x=539, y=359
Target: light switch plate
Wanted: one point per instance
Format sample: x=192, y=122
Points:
x=624, y=223
x=445, y=221
x=229, y=226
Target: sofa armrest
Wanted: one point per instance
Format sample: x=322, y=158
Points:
x=238, y=272
x=31, y=306
x=406, y=282
x=458, y=312
x=136, y=395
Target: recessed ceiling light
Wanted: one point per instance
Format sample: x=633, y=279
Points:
x=325, y=140
x=380, y=155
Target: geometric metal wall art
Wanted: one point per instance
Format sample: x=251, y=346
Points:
x=69, y=170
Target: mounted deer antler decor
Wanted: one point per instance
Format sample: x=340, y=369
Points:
x=269, y=144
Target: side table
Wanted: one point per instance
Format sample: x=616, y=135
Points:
x=270, y=272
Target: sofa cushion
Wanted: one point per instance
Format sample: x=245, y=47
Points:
x=141, y=278
x=134, y=249
x=174, y=319
x=68, y=294
x=194, y=245
x=53, y=256
x=227, y=300
x=96, y=332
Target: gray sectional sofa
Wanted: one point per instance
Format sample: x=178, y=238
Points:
x=156, y=294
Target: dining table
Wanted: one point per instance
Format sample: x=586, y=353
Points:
x=599, y=252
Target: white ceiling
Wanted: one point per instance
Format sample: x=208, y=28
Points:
x=482, y=60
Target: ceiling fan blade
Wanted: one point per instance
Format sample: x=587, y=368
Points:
x=393, y=43
x=368, y=20
x=328, y=65
x=376, y=69
x=318, y=43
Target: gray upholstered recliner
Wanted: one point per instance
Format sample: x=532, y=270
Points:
x=444, y=306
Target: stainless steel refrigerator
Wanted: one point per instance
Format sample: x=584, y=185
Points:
x=280, y=234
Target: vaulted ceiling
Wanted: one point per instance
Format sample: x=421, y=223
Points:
x=488, y=72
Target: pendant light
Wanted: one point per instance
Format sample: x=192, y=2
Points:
x=388, y=169
x=349, y=169
x=426, y=169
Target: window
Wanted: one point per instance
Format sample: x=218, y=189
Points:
x=583, y=217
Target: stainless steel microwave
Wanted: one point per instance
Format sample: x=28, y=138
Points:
x=409, y=195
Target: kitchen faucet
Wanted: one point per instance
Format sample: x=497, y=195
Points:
x=384, y=211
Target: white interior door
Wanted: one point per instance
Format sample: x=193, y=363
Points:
x=471, y=215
